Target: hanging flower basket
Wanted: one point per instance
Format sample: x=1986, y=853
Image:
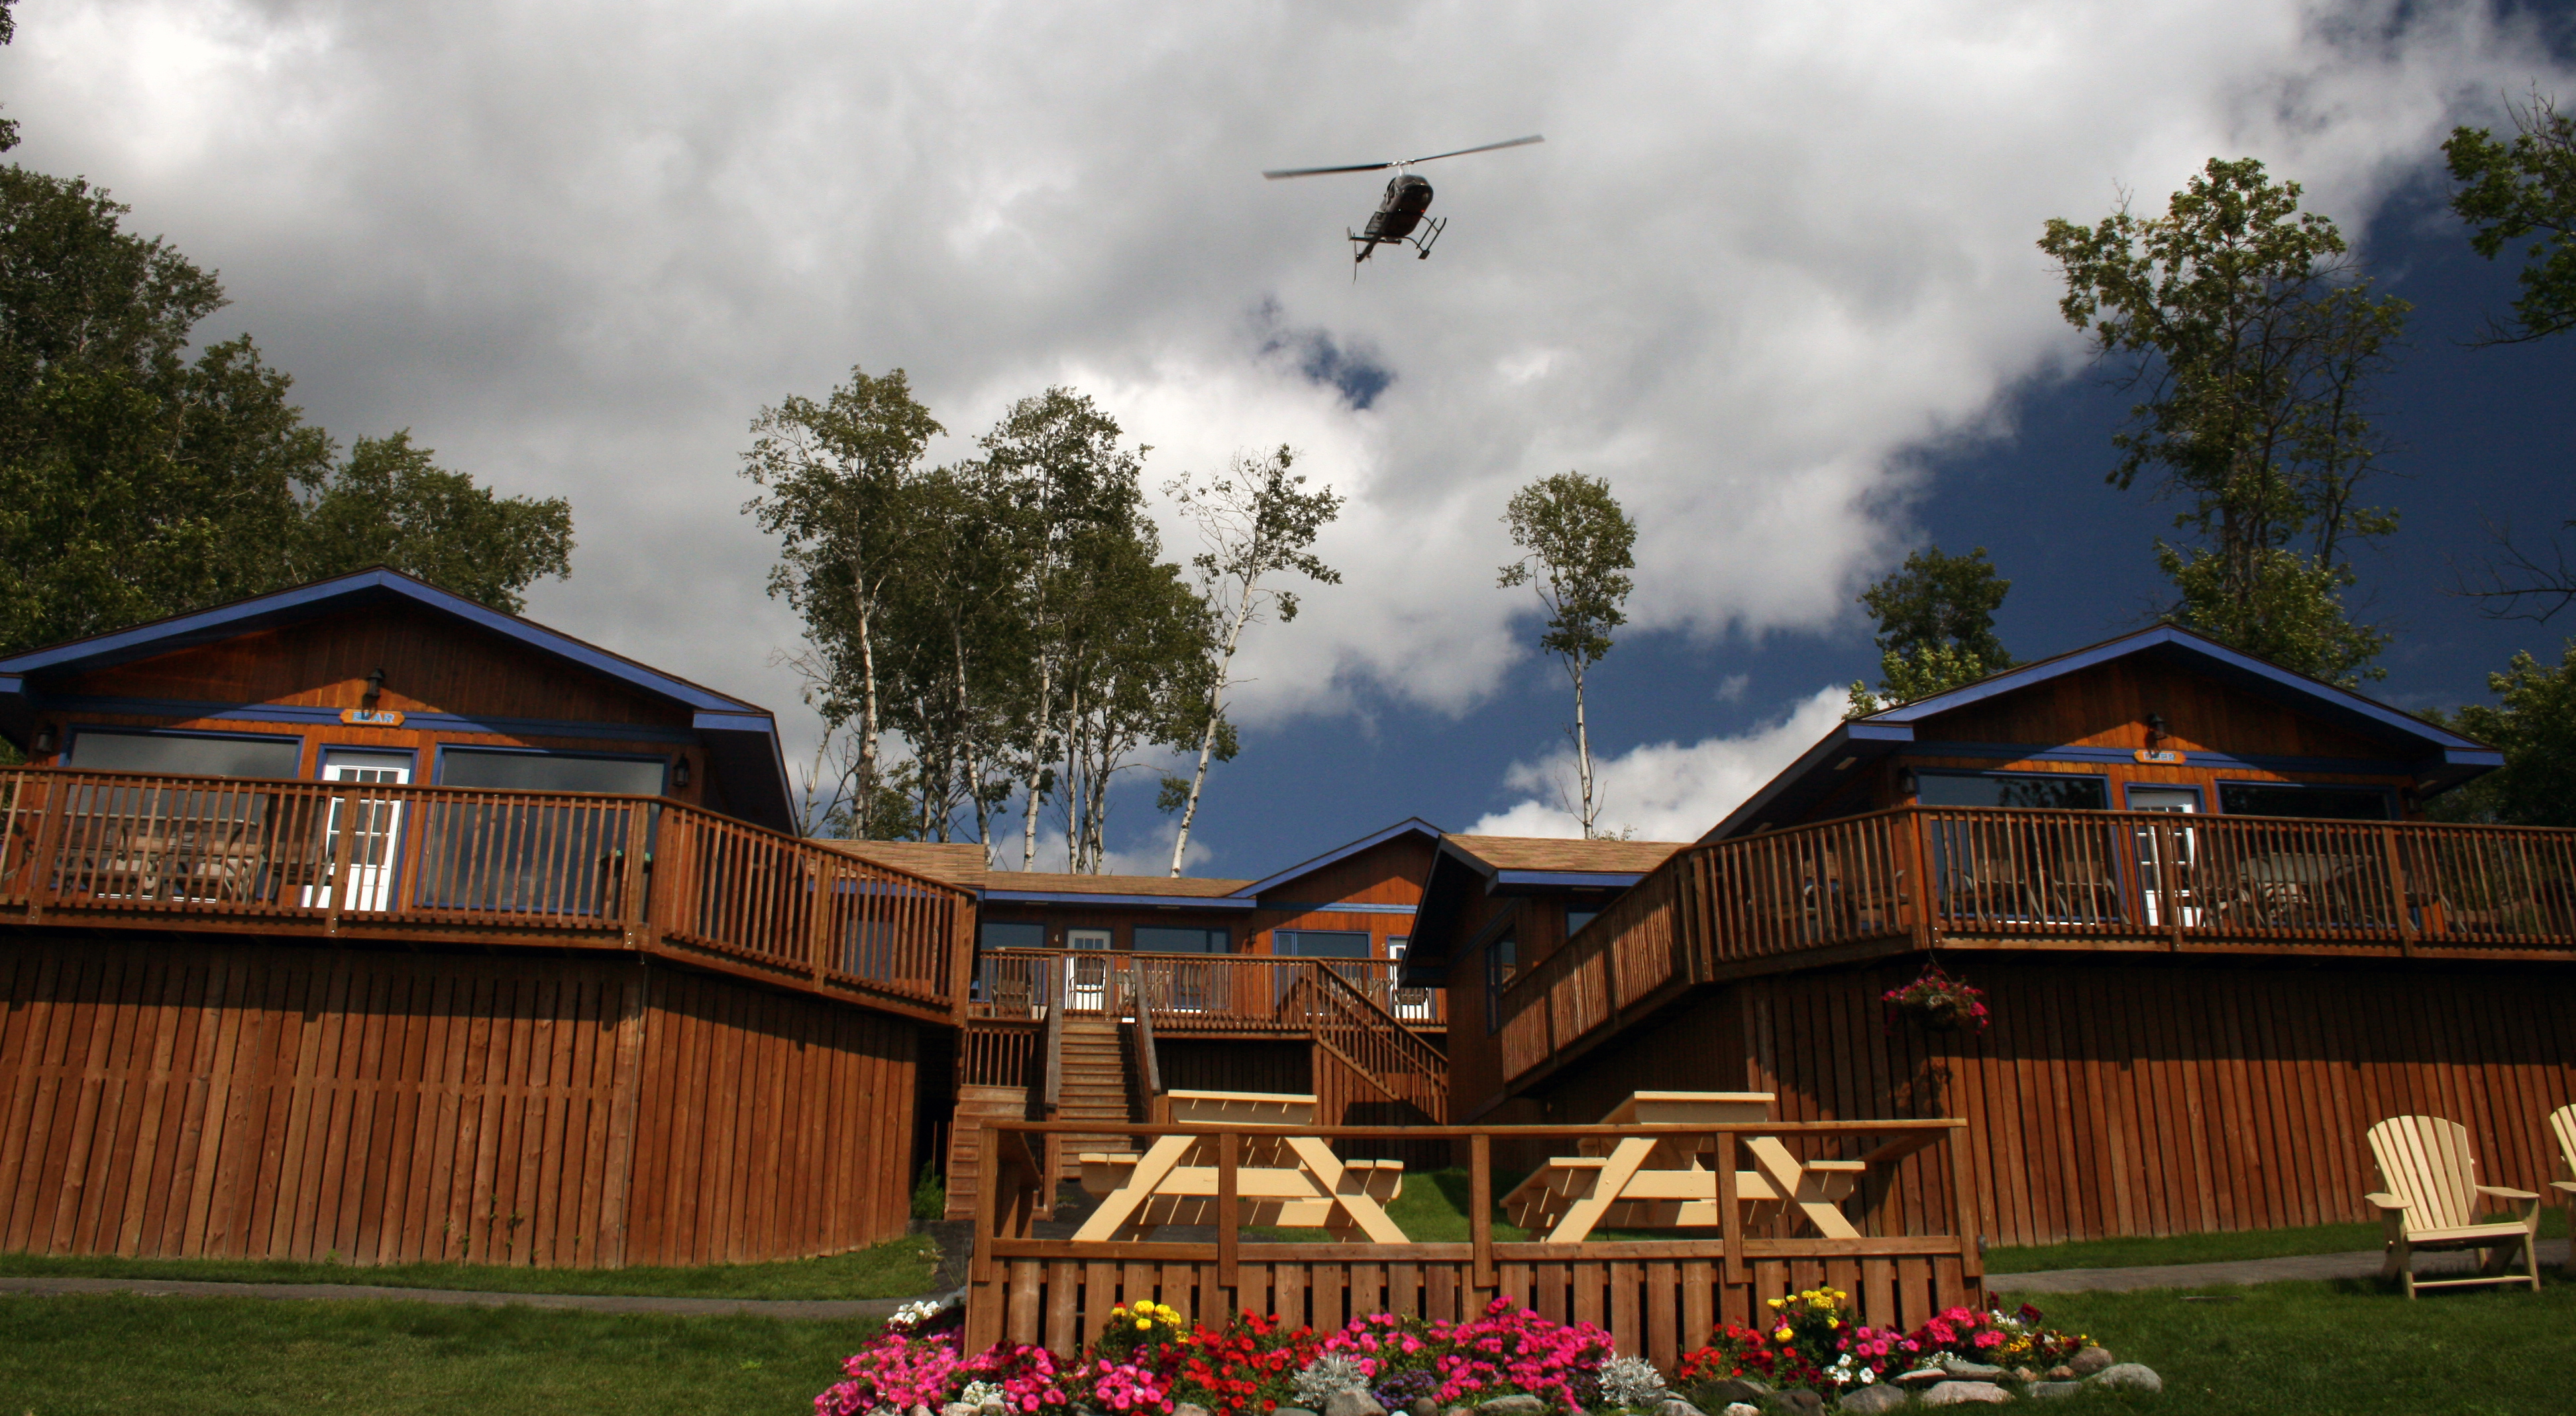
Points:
x=1939, y=1002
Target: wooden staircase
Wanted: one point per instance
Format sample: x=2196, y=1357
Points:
x=1093, y=1083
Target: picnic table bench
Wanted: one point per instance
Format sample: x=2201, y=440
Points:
x=1293, y=1182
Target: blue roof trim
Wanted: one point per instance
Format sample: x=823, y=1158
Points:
x=1079, y=897
x=2235, y=663
x=298, y=713
x=1573, y=879
x=260, y=611
x=2197, y=757
x=1336, y=907
x=1409, y=825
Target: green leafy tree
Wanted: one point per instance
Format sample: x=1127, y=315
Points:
x=389, y=504
x=1936, y=627
x=839, y=481
x=137, y=482
x=8, y=29
x=2255, y=344
x=2533, y=722
x=1256, y=523
x=1577, y=548
x=2510, y=191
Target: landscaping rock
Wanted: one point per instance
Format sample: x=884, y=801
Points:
x=1872, y=1399
x=958, y=1408
x=1423, y=1406
x=1291, y=1411
x=1966, y=1370
x=1801, y=1400
x=2063, y=1373
x=2129, y=1376
x=2025, y=1375
x=1924, y=1376
x=1188, y=1408
x=1503, y=1406
x=1350, y=1401
x=1966, y=1394
x=2088, y=1361
x=2044, y=1390
x=1741, y=1408
x=1734, y=1391
x=1675, y=1406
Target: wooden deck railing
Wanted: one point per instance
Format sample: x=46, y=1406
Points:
x=355, y=860
x=1191, y=992
x=1340, y=1003
x=1658, y=1297
x=2000, y=877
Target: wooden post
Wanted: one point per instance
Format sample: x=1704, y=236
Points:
x=2397, y=893
x=1919, y=848
x=632, y=907
x=345, y=808
x=981, y=1266
x=1229, y=1211
x=1480, y=1215
x=47, y=887
x=1972, y=1263
x=2168, y=842
x=1730, y=1210
x=617, y=1185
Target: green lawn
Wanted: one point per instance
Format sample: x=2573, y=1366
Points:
x=2339, y=1349
x=900, y=1268
x=2212, y=1248
x=250, y=1357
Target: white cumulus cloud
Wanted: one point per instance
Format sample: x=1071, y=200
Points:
x=1665, y=791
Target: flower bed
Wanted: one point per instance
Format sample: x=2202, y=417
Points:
x=1148, y=1359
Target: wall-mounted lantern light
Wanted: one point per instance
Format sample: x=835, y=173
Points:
x=375, y=686
x=1906, y=785
x=2155, y=730
x=44, y=742
x=680, y=772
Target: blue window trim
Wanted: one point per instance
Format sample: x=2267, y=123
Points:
x=73, y=732
x=2387, y=795
x=2101, y=777
x=322, y=757
x=438, y=767
x=2128, y=788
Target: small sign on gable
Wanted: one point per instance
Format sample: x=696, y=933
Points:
x=372, y=717
x=2160, y=757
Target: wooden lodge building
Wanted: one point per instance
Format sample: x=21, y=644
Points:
x=2217, y=935
x=361, y=920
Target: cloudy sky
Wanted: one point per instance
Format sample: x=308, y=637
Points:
x=1772, y=274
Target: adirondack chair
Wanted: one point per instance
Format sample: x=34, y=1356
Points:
x=2562, y=1124
x=2432, y=1203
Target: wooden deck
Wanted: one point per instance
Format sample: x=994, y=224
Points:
x=492, y=869
x=1658, y=1298
x=2092, y=881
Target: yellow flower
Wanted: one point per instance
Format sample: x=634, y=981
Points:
x=1144, y=1327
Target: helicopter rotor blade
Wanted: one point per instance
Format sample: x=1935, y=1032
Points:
x=1462, y=152
x=1320, y=171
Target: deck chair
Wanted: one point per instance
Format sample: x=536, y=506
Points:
x=2562, y=1125
x=2431, y=1202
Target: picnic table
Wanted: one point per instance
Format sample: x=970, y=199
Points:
x=1664, y=1182
x=1293, y=1182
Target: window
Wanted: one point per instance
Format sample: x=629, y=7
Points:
x=1413, y=1005
x=2314, y=803
x=1010, y=934
x=1502, y=962
x=1576, y=917
x=1166, y=939
x=551, y=772
x=1322, y=943
x=188, y=754
x=2062, y=791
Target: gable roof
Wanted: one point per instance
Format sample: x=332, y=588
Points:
x=1409, y=826
x=741, y=738
x=959, y=863
x=1469, y=866
x=2439, y=757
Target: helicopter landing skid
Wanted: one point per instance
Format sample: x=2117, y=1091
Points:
x=1368, y=244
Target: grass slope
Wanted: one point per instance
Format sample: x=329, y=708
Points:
x=2212, y=1248
x=91, y=1356
x=900, y=1268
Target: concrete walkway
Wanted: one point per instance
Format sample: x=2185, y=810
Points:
x=2363, y=1264
x=799, y=1309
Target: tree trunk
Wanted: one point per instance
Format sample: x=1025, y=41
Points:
x=1216, y=709
x=1582, y=749
x=867, y=711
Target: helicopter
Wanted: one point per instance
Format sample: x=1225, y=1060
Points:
x=1400, y=211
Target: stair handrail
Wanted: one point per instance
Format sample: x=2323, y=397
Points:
x=1150, y=1062
x=1052, y=1096
x=1356, y=1010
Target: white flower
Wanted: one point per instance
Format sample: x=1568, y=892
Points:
x=1327, y=1375
x=1630, y=1381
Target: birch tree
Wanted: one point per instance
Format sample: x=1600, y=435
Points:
x=1577, y=546
x=1255, y=523
x=840, y=480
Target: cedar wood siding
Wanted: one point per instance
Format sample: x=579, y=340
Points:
x=432, y=664
x=250, y=1100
